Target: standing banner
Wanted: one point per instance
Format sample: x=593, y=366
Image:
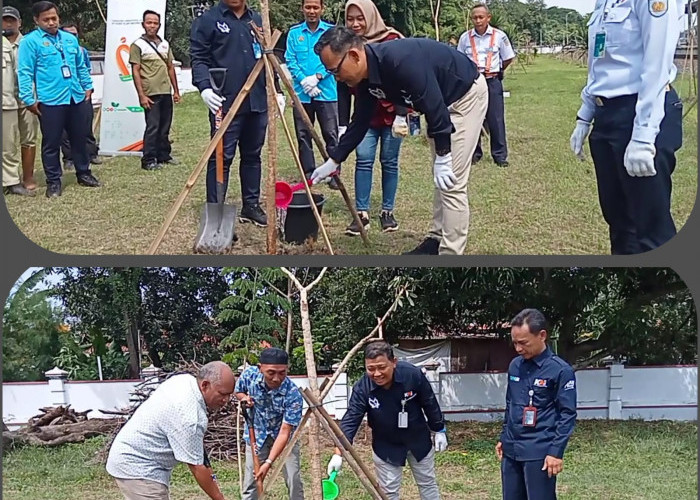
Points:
x=123, y=122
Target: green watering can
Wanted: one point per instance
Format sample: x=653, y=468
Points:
x=330, y=489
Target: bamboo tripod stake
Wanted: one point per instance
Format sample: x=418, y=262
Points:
x=271, y=139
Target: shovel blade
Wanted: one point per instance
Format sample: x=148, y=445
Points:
x=216, y=229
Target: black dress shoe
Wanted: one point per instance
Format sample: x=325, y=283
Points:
x=152, y=166
x=53, y=190
x=476, y=159
x=333, y=184
x=169, y=161
x=68, y=166
x=96, y=160
x=429, y=246
x=502, y=164
x=18, y=189
x=254, y=214
x=88, y=180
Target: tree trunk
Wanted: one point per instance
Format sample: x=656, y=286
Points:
x=290, y=319
x=132, y=344
x=272, y=111
x=314, y=441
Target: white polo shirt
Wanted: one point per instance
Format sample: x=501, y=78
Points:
x=501, y=48
x=166, y=429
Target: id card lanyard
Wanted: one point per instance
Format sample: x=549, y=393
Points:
x=403, y=415
x=257, y=50
x=530, y=412
x=65, y=69
x=600, y=36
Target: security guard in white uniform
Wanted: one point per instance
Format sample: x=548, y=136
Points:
x=492, y=52
x=636, y=118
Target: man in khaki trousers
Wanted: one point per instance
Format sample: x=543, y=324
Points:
x=11, y=182
x=431, y=78
x=27, y=122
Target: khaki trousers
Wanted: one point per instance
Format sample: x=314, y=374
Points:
x=10, y=148
x=28, y=127
x=143, y=489
x=451, y=208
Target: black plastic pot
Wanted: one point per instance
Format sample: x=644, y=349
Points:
x=300, y=223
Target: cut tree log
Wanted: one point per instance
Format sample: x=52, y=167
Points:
x=55, y=435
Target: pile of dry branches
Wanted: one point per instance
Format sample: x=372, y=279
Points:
x=59, y=425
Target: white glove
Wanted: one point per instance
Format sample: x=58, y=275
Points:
x=440, y=441
x=639, y=159
x=443, y=175
x=281, y=102
x=341, y=130
x=314, y=92
x=309, y=82
x=579, y=137
x=324, y=171
x=400, y=127
x=212, y=100
x=335, y=464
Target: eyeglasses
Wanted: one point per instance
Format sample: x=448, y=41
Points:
x=336, y=70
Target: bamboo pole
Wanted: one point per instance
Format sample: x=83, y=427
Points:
x=270, y=204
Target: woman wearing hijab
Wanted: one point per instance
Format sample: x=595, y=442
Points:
x=388, y=126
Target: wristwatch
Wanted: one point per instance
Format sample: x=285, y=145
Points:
x=268, y=461
x=319, y=76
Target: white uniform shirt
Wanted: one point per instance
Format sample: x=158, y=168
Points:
x=502, y=49
x=166, y=429
x=640, y=43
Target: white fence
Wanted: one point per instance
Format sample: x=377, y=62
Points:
x=649, y=393
x=22, y=400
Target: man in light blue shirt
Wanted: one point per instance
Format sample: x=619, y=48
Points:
x=635, y=116
x=52, y=61
x=315, y=86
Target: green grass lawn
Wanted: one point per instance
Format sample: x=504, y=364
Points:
x=604, y=460
x=545, y=203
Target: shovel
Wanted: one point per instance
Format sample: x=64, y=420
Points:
x=217, y=223
x=249, y=418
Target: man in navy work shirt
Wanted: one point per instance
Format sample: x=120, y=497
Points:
x=316, y=87
x=52, y=61
x=634, y=118
x=434, y=79
x=397, y=399
x=540, y=413
x=223, y=38
x=277, y=403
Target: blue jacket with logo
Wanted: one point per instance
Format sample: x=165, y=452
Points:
x=553, y=383
x=383, y=406
x=302, y=61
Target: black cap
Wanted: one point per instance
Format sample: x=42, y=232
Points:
x=274, y=356
x=10, y=12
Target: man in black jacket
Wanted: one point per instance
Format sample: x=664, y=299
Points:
x=397, y=399
x=223, y=38
x=431, y=78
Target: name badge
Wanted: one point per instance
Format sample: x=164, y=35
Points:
x=66, y=71
x=599, y=47
x=529, y=416
x=403, y=420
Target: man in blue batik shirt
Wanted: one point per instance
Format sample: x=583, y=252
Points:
x=540, y=413
x=51, y=61
x=276, y=404
x=315, y=86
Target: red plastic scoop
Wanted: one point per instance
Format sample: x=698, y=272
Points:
x=284, y=193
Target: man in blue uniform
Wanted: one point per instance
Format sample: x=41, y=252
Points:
x=636, y=118
x=434, y=79
x=314, y=85
x=540, y=413
x=397, y=399
x=223, y=38
x=50, y=61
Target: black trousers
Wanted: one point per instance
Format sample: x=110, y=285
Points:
x=247, y=132
x=637, y=209
x=526, y=480
x=91, y=144
x=495, y=122
x=327, y=114
x=53, y=121
x=156, y=141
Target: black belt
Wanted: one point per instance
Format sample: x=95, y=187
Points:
x=622, y=100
